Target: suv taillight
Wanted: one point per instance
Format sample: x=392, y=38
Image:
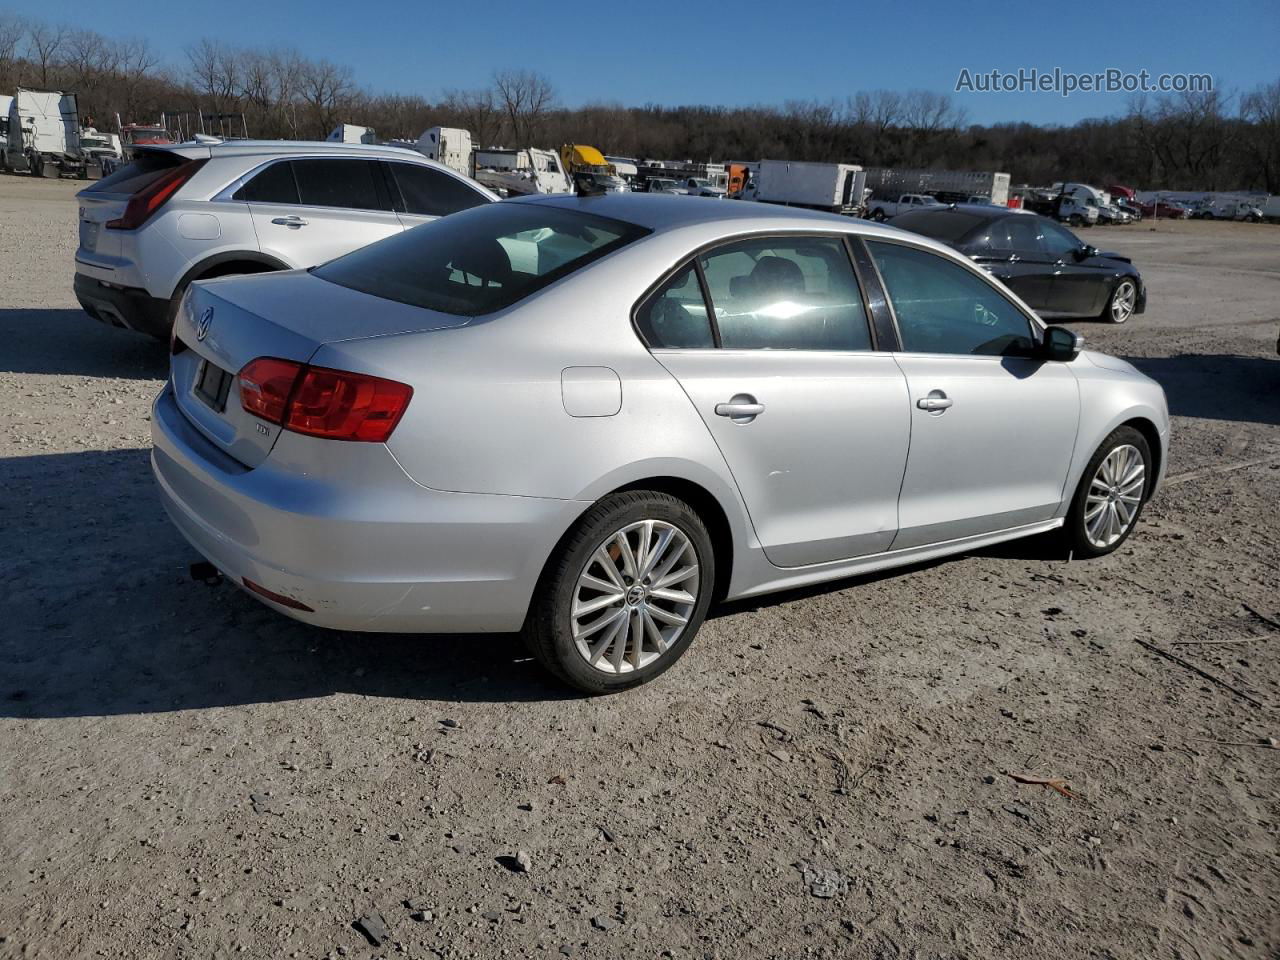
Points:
x=154, y=196
x=320, y=402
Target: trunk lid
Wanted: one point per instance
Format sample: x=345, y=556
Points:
x=226, y=323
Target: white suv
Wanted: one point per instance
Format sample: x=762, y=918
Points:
x=198, y=210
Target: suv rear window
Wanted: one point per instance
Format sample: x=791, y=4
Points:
x=480, y=260
x=149, y=166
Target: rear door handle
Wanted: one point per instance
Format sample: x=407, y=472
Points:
x=743, y=408
x=289, y=222
x=935, y=402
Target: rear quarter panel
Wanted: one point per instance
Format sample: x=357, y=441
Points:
x=488, y=413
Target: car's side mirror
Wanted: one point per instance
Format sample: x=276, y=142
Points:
x=1061, y=344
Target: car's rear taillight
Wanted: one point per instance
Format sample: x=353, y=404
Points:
x=319, y=402
x=265, y=386
x=346, y=406
x=154, y=196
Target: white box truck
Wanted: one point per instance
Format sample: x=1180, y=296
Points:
x=44, y=134
x=836, y=187
x=351, y=133
x=448, y=145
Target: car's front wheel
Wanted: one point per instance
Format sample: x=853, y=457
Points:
x=624, y=594
x=1123, y=300
x=1111, y=494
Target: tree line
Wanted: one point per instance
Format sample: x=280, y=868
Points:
x=1188, y=141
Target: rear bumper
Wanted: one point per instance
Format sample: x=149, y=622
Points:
x=365, y=547
x=123, y=306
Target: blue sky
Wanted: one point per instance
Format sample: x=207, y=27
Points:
x=725, y=53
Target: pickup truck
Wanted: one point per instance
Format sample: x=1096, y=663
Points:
x=882, y=209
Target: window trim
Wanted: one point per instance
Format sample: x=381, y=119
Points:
x=841, y=237
x=1037, y=325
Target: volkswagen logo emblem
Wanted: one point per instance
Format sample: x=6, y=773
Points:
x=204, y=323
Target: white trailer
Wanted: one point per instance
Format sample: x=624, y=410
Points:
x=351, y=133
x=818, y=186
x=888, y=181
x=449, y=146
x=43, y=135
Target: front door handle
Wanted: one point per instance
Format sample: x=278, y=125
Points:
x=743, y=408
x=936, y=402
x=289, y=222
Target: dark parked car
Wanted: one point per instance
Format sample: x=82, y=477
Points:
x=1041, y=261
x=1164, y=208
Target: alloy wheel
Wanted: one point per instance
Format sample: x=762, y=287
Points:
x=1122, y=301
x=634, y=596
x=1115, y=495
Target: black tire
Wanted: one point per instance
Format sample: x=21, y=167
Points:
x=1075, y=220
x=878, y=216
x=548, y=630
x=1075, y=532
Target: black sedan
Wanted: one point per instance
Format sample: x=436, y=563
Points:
x=1041, y=261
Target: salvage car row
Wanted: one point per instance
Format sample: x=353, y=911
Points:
x=589, y=418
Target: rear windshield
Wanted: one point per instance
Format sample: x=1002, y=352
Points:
x=480, y=260
x=947, y=225
x=150, y=166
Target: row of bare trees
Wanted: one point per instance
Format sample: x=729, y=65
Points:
x=1212, y=140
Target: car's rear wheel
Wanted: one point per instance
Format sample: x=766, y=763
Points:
x=878, y=216
x=1112, y=492
x=1123, y=300
x=1075, y=220
x=625, y=593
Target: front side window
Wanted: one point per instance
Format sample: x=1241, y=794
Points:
x=786, y=293
x=480, y=260
x=338, y=182
x=675, y=316
x=430, y=193
x=943, y=307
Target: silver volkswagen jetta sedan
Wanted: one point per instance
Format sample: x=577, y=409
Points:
x=586, y=418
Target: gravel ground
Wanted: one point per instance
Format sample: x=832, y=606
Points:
x=185, y=774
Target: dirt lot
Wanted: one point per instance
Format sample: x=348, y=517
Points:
x=185, y=774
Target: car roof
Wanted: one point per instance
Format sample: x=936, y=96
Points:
x=990, y=211
x=661, y=212
x=234, y=148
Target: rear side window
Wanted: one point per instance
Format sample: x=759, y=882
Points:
x=480, y=260
x=786, y=293
x=430, y=193
x=338, y=182
x=942, y=307
x=149, y=167
x=946, y=225
x=675, y=316
x=1023, y=233
x=274, y=184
